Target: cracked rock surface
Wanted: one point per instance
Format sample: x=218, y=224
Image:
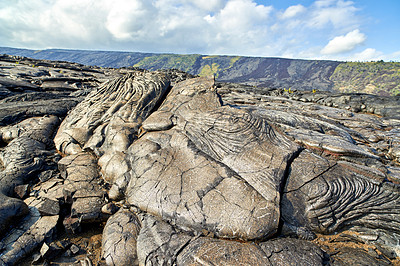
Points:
x=162, y=168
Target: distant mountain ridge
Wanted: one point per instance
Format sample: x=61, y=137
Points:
x=372, y=77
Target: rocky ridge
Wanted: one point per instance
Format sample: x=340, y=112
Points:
x=183, y=170
x=379, y=78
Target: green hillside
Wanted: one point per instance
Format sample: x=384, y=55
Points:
x=168, y=61
x=202, y=65
x=381, y=78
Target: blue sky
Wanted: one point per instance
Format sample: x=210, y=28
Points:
x=358, y=30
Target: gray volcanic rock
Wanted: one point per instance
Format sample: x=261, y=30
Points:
x=24, y=92
x=274, y=252
x=119, y=239
x=343, y=194
x=117, y=108
x=351, y=256
x=160, y=244
x=175, y=164
x=180, y=184
x=108, y=120
x=222, y=252
x=284, y=251
x=81, y=181
x=28, y=121
x=201, y=173
x=386, y=106
x=21, y=158
x=18, y=246
x=12, y=112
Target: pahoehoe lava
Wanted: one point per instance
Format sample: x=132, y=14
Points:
x=183, y=170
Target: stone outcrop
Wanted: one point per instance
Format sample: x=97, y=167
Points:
x=120, y=239
x=21, y=159
x=179, y=170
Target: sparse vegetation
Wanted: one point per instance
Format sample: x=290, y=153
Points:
x=382, y=78
x=209, y=56
x=168, y=61
x=208, y=64
x=233, y=61
x=379, y=77
x=208, y=70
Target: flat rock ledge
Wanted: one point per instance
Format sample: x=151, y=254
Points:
x=162, y=168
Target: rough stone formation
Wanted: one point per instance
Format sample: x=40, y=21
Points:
x=201, y=173
x=21, y=158
x=30, y=112
x=120, y=238
x=109, y=118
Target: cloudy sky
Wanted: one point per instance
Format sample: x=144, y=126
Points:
x=323, y=29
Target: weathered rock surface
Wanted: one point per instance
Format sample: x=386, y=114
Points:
x=119, y=239
x=82, y=183
x=16, y=249
x=201, y=173
x=117, y=110
x=30, y=113
x=178, y=183
x=160, y=244
x=351, y=256
x=21, y=158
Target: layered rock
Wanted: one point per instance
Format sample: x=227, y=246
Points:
x=21, y=159
x=109, y=117
x=31, y=189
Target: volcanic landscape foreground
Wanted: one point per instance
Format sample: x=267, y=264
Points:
x=127, y=166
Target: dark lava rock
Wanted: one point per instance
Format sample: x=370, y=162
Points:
x=21, y=191
x=71, y=225
x=49, y=207
x=351, y=256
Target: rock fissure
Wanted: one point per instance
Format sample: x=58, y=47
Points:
x=308, y=181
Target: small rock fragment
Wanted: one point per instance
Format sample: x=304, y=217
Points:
x=74, y=249
x=109, y=208
x=71, y=224
x=46, y=175
x=21, y=191
x=49, y=207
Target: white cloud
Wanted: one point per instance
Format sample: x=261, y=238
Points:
x=180, y=26
x=293, y=11
x=52, y=23
x=209, y=5
x=242, y=27
x=344, y=43
x=394, y=56
x=339, y=14
x=128, y=19
x=371, y=54
x=241, y=15
x=367, y=55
